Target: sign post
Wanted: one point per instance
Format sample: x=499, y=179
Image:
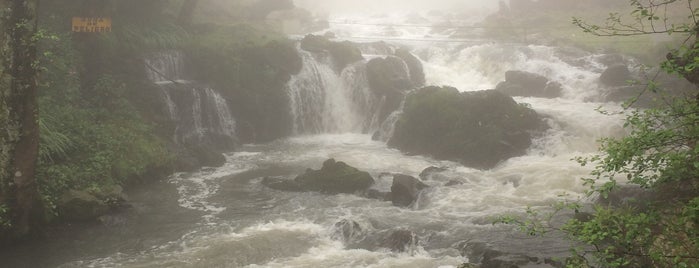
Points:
x=92, y=25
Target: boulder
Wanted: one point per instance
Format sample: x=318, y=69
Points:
x=390, y=79
x=77, y=205
x=343, y=53
x=400, y=241
x=405, y=190
x=428, y=172
x=478, y=129
x=415, y=69
x=525, y=84
x=616, y=75
x=333, y=178
x=282, y=184
x=348, y=230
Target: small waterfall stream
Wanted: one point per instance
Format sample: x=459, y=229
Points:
x=199, y=113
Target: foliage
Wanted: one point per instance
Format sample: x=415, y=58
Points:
x=660, y=154
x=91, y=138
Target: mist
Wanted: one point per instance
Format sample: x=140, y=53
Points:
x=372, y=6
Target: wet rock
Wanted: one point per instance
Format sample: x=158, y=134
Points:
x=282, y=184
x=525, y=84
x=400, y=241
x=482, y=254
x=405, y=190
x=430, y=171
x=208, y=157
x=378, y=194
x=349, y=230
x=417, y=74
x=343, y=53
x=333, y=178
x=453, y=183
x=616, y=75
x=479, y=129
x=77, y=205
x=389, y=79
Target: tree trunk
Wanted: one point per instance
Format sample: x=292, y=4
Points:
x=187, y=12
x=23, y=106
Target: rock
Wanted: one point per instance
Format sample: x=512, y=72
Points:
x=405, y=190
x=279, y=183
x=388, y=75
x=390, y=79
x=379, y=195
x=400, y=241
x=343, y=53
x=430, y=171
x=453, y=183
x=335, y=177
x=616, y=75
x=77, y=205
x=479, y=129
x=482, y=253
x=417, y=74
x=348, y=230
x=525, y=84
x=208, y=157
x=112, y=195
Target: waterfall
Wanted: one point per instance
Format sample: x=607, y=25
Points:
x=323, y=101
x=198, y=112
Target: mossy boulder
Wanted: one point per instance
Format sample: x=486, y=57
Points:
x=479, y=129
x=334, y=177
x=526, y=84
x=342, y=53
x=77, y=205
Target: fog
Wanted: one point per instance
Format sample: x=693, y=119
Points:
x=374, y=6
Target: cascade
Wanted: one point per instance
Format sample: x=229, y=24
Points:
x=323, y=101
x=199, y=113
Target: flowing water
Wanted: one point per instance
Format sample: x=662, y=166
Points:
x=225, y=217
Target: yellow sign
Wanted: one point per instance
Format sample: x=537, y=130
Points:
x=92, y=25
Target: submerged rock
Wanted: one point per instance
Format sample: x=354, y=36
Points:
x=400, y=241
x=525, y=84
x=479, y=129
x=405, y=190
x=348, y=230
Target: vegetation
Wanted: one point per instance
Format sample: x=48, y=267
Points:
x=660, y=154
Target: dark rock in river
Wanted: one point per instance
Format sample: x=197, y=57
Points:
x=389, y=78
x=428, y=172
x=479, y=129
x=405, y=190
x=400, y=241
x=417, y=74
x=343, y=53
x=525, y=84
x=333, y=178
x=349, y=230
x=616, y=75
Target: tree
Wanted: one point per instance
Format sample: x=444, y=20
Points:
x=660, y=154
x=20, y=142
